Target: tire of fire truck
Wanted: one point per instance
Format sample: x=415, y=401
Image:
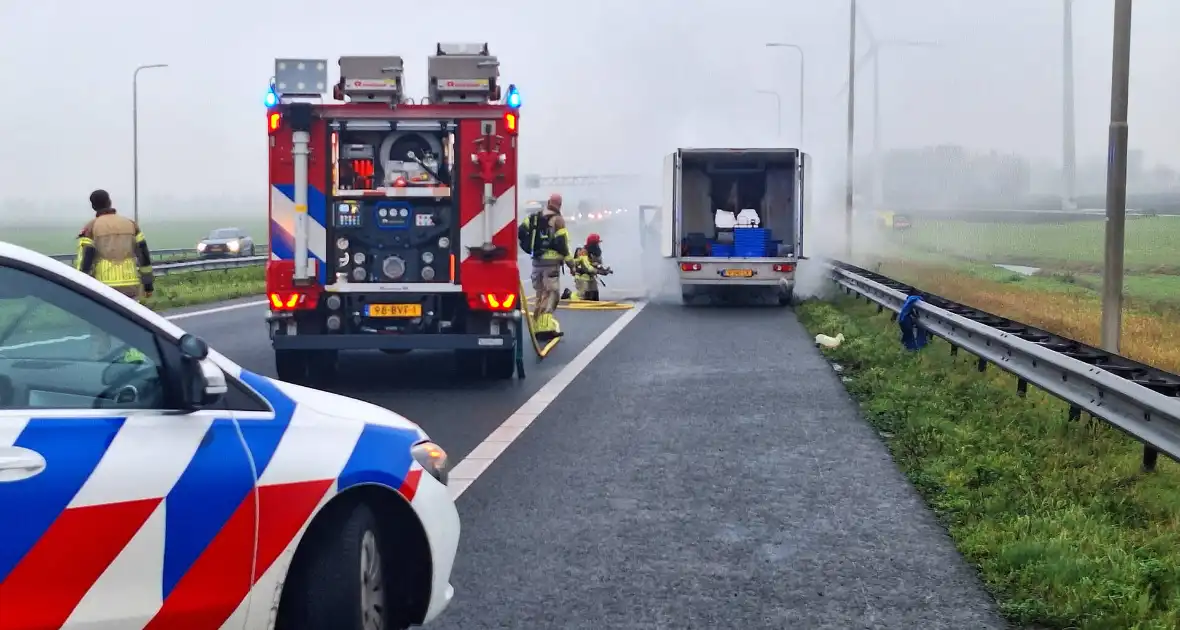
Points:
x=291, y=365
x=322, y=366
x=501, y=364
x=493, y=364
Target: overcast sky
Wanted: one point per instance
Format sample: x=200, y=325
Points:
x=607, y=85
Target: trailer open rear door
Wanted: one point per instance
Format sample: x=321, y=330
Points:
x=670, y=214
x=802, y=200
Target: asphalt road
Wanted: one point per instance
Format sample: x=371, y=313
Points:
x=706, y=470
x=422, y=386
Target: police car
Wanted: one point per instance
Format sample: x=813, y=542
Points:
x=146, y=481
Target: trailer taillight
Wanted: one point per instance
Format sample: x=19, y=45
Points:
x=785, y=267
x=273, y=120
x=510, y=121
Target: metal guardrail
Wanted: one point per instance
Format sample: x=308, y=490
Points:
x=185, y=266
x=1141, y=401
x=211, y=264
x=156, y=253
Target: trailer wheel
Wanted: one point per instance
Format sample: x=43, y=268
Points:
x=786, y=298
x=291, y=365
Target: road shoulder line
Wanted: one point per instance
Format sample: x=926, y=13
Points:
x=493, y=446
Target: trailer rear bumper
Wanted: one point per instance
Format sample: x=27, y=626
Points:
x=440, y=341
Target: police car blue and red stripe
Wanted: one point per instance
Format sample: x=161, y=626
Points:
x=224, y=500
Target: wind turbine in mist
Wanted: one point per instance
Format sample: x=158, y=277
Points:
x=873, y=54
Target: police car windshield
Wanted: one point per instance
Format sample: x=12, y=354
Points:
x=225, y=233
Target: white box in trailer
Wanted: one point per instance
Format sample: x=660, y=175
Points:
x=707, y=190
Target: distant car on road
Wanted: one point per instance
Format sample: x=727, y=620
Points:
x=127, y=442
x=225, y=242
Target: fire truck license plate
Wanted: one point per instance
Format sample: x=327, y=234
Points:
x=393, y=310
x=738, y=273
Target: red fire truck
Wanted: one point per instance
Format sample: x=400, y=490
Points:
x=393, y=222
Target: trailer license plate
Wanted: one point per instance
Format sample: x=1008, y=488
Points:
x=737, y=273
x=393, y=310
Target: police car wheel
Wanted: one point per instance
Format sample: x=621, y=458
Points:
x=342, y=581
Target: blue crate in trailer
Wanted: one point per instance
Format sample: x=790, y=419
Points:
x=751, y=242
x=722, y=250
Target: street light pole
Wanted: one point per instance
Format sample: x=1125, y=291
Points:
x=802, y=82
x=135, y=136
x=1069, y=151
x=1116, y=180
x=851, y=127
x=778, y=111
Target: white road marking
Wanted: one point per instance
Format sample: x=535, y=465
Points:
x=493, y=446
x=216, y=309
x=207, y=311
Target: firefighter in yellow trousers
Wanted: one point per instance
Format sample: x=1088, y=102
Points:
x=112, y=249
x=543, y=236
x=586, y=266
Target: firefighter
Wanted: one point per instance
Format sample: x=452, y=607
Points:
x=544, y=237
x=586, y=267
x=113, y=250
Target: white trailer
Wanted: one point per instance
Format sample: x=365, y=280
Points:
x=701, y=184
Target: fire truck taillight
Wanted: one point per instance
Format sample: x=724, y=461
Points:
x=292, y=301
x=499, y=302
x=510, y=120
x=273, y=120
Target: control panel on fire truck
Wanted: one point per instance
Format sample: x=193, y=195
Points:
x=393, y=217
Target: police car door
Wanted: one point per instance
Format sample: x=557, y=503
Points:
x=118, y=510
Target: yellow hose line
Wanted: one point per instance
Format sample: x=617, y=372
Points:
x=527, y=314
x=587, y=305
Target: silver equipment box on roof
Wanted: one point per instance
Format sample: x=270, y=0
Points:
x=373, y=79
x=300, y=77
x=463, y=73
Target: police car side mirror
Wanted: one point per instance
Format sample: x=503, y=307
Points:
x=203, y=382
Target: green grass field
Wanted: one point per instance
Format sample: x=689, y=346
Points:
x=170, y=234
x=1065, y=530
x=1078, y=246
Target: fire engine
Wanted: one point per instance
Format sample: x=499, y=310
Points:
x=392, y=223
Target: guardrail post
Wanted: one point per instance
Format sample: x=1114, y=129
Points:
x=1150, y=456
x=981, y=365
x=1021, y=387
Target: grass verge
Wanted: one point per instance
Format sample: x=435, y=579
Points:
x=1151, y=328
x=202, y=287
x=1065, y=530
